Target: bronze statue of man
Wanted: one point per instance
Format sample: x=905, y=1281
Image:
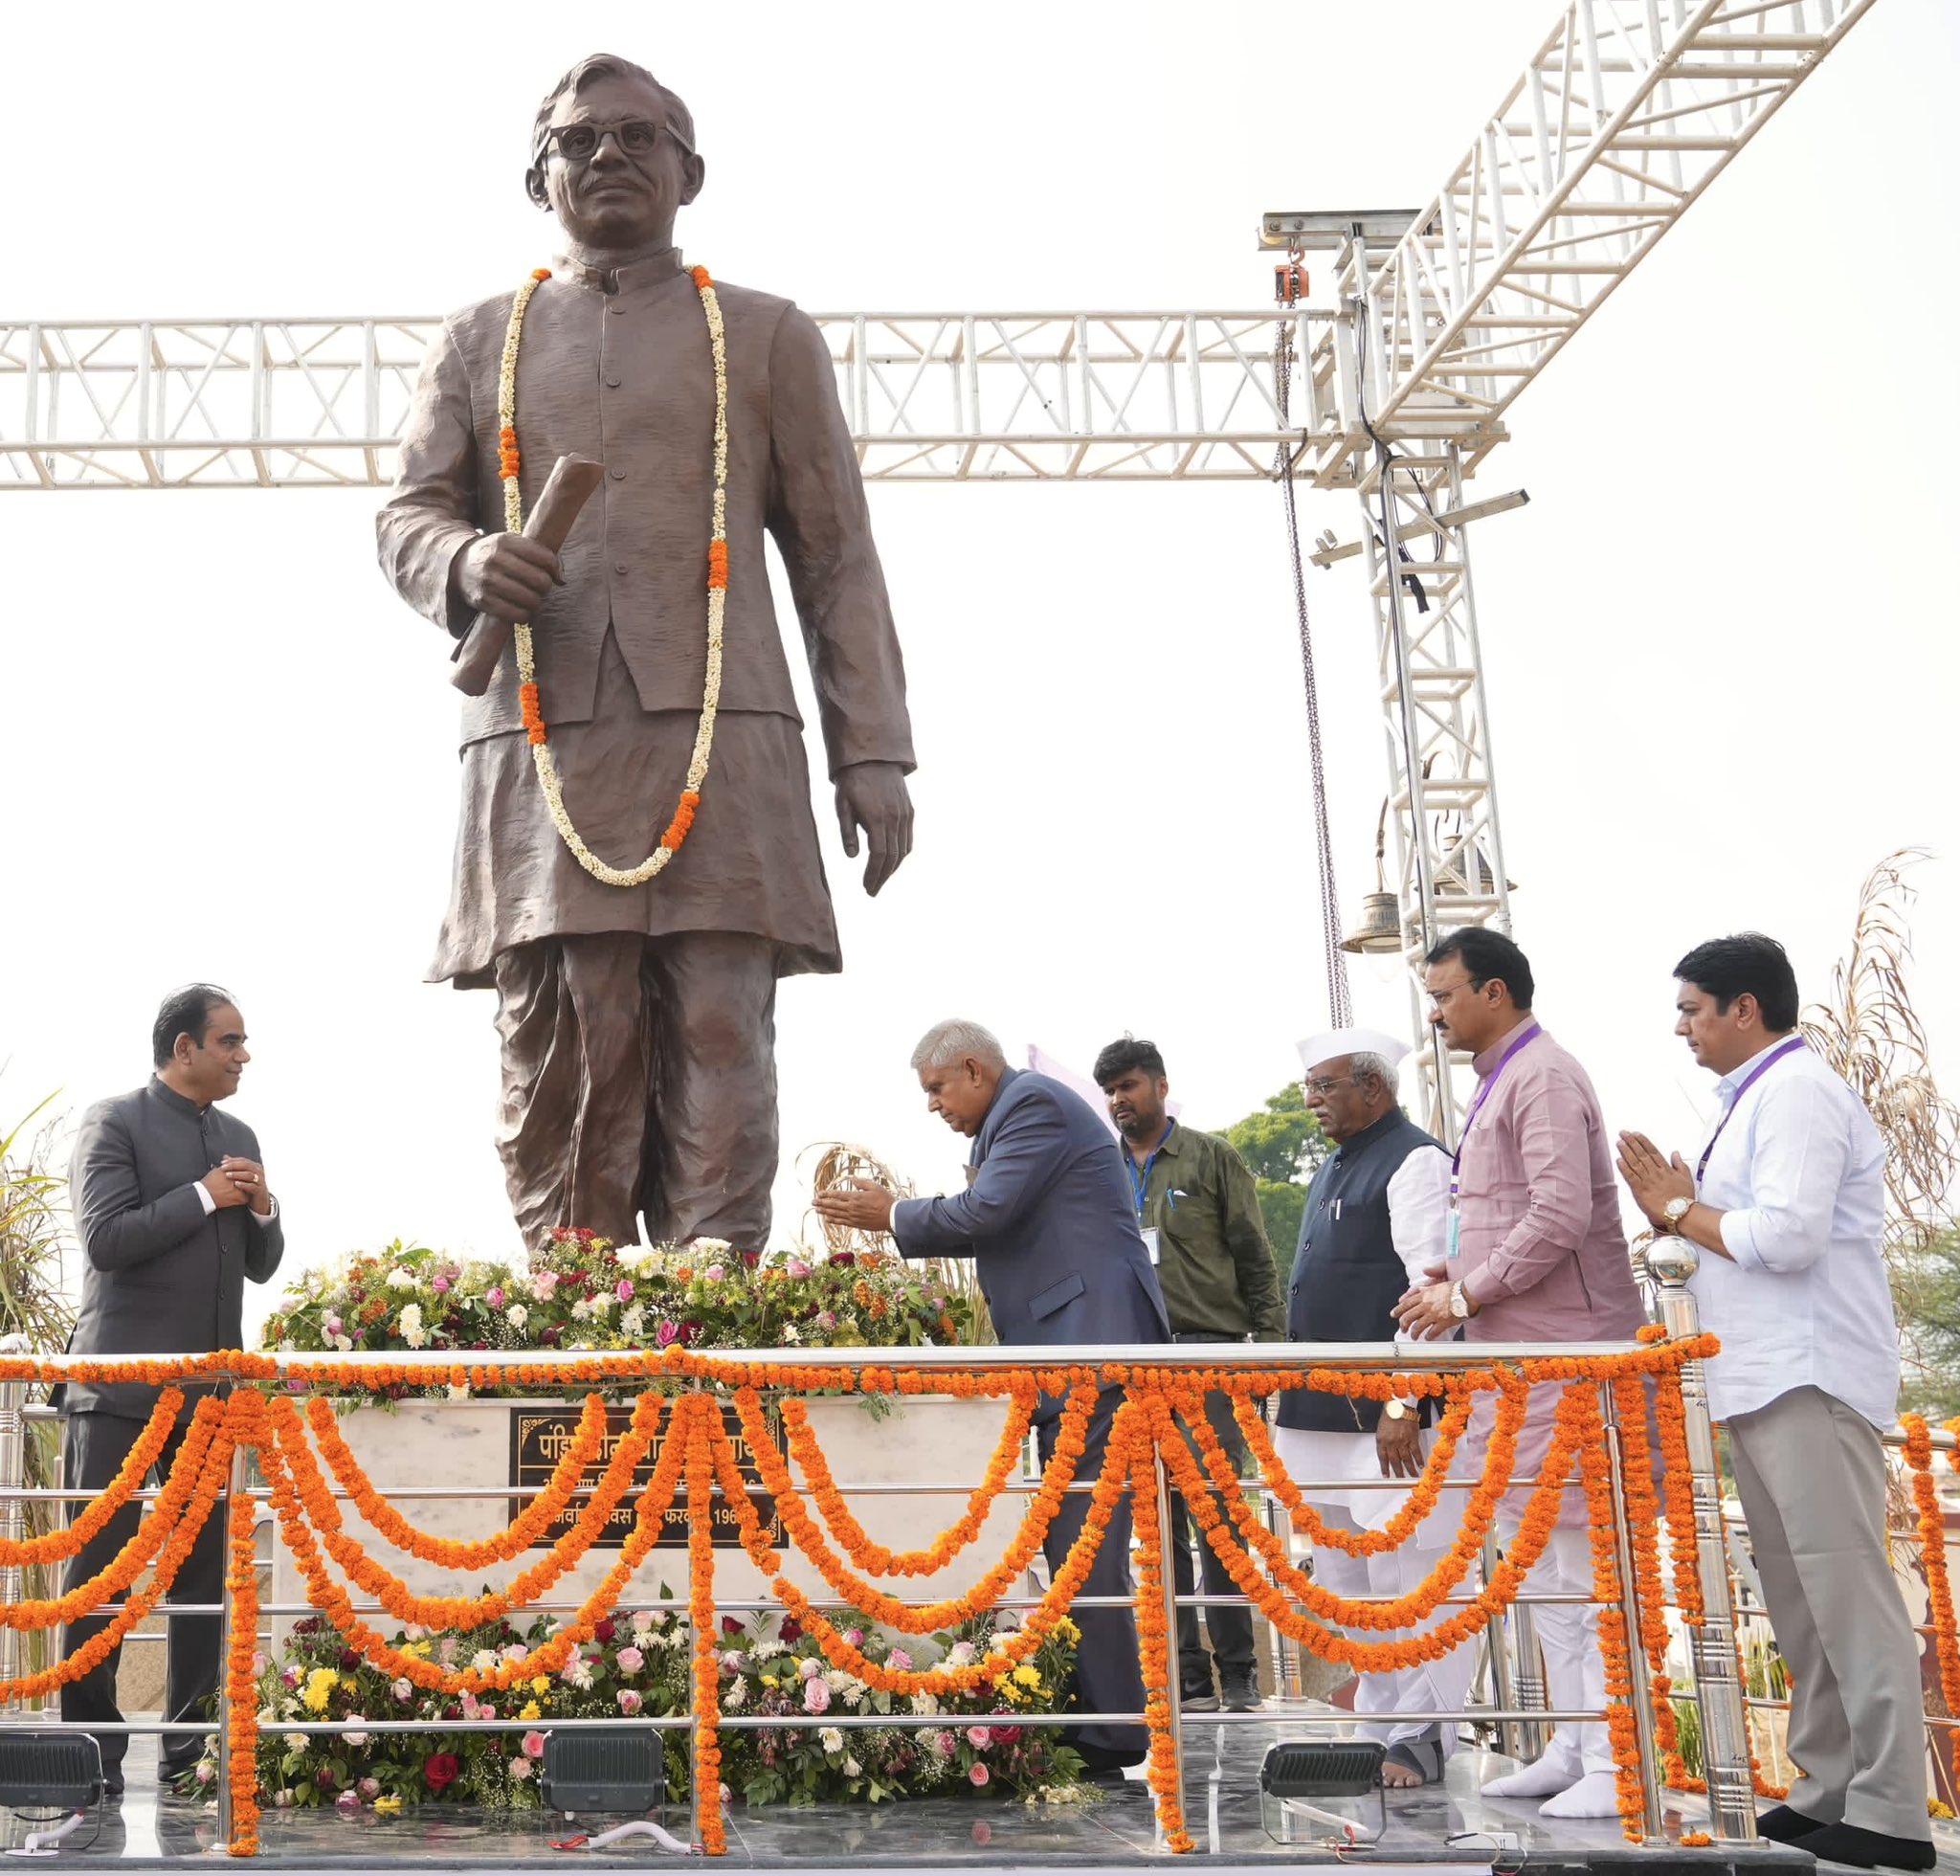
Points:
x=638, y=1024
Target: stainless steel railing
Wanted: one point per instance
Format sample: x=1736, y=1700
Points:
x=1516, y=1704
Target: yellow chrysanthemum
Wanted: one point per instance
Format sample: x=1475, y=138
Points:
x=531, y=1710
x=1027, y=1676
x=541, y=1684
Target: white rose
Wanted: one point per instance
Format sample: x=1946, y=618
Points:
x=344, y=1343
x=790, y=1332
x=632, y=1323
x=401, y=1277
x=517, y=1315
x=354, y=1738
x=484, y=1661
x=458, y=1390
x=711, y=1247
x=853, y=1770
x=298, y=1742
x=925, y=1703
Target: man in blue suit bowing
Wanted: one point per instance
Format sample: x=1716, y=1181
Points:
x=1047, y=1218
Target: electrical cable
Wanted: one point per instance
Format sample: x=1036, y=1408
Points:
x=1340, y=1008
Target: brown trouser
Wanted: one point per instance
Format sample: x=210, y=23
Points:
x=639, y=1075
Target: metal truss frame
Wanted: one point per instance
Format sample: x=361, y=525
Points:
x=1169, y=396
x=1442, y=791
x=1627, y=112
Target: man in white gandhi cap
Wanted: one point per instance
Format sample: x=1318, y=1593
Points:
x=1376, y=1215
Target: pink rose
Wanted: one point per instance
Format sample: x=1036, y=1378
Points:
x=441, y=1285
x=734, y=1661
x=666, y=1333
x=978, y=1774
x=855, y=1637
x=494, y=1296
x=486, y=1711
x=543, y=1283
x=334, y=1326
x=797, y=1267
x=714, y=1273
x=630, y=1701
x=809, y=1668
x=630, y=1661
x=817, y=1696
x=899, y=1660
x=346, y=1804
x=623, y=1289
x=826, y=1320
x=371, y=1788
x=534, y=1745
x=977, y=1737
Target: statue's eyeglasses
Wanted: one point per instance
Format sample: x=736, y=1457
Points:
x=636, y=137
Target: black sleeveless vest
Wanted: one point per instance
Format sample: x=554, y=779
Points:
x=1346, y=1277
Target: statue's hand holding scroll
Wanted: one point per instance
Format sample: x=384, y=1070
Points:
x=873, y=795
x=506, y=576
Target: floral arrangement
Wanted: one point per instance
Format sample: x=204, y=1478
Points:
x=640, y=1665
x=580, y=1291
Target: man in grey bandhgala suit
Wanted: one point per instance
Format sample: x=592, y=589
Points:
x=1048, y=1221
x=174, y=1217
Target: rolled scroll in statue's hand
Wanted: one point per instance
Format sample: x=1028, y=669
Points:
x=566, y=491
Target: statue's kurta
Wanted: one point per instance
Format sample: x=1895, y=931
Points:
x=617, y=367
x=626, y=377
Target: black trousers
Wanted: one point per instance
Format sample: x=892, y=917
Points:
x=95, y=1447
x=1109, y=1676
x=1230, y=1629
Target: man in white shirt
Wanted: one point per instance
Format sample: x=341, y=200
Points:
x=1789, y=1195
x=1376, y=1213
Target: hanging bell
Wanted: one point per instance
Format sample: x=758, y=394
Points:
x=1381, y=924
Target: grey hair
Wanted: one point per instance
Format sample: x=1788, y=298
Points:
x=608, y=65
x=1364, y=1064
x=953, y=1041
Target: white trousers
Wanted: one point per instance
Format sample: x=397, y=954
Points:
x=1431, y=1686
x=1567, y=1637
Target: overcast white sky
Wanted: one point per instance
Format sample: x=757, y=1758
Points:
x=1719, y=641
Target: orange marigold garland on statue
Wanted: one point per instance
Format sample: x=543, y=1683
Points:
x=509, y=464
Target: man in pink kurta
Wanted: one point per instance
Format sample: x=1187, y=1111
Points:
x=1536, y=1254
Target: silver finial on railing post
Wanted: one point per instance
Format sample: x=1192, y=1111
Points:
x=13, y=1510
x=1671, y=1261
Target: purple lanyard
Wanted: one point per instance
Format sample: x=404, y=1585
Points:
x=1755, y=1074
x=1477, y=1101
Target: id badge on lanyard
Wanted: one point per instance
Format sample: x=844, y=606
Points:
x=1455, y=1242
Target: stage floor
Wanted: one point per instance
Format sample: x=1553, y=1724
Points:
x=1221, y=1767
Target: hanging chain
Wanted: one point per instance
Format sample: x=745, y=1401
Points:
x=1340, y=1010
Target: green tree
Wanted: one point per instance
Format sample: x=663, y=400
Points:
x=1283, y=1146
x=1927, y=1288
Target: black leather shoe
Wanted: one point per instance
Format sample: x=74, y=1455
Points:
x=1783, y=1825
x=1869, y=1849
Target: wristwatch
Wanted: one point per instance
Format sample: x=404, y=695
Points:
x=1675, y=1210
x=1460, y=1304
x=1395, y=1408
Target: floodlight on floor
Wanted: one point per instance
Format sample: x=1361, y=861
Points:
x=1296, y=1771
x=49, y=1771
x=603, y=1771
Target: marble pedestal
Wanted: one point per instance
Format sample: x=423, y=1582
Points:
x=936, y=1441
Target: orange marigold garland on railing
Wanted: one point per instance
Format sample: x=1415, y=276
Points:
x=114, y=1576
x=179, y=1532
x=1608, y=1594
x=1932, y=1558
x=930, y=1617
x=56, y=1545
x=703, y=1425
x=1416, y=1604
x=1154, y=1644
x=241, y=1720
x=464, y=1554
x=865, y=1551
x=468, y=1612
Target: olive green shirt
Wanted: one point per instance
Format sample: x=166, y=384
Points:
x=1213, y=1263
